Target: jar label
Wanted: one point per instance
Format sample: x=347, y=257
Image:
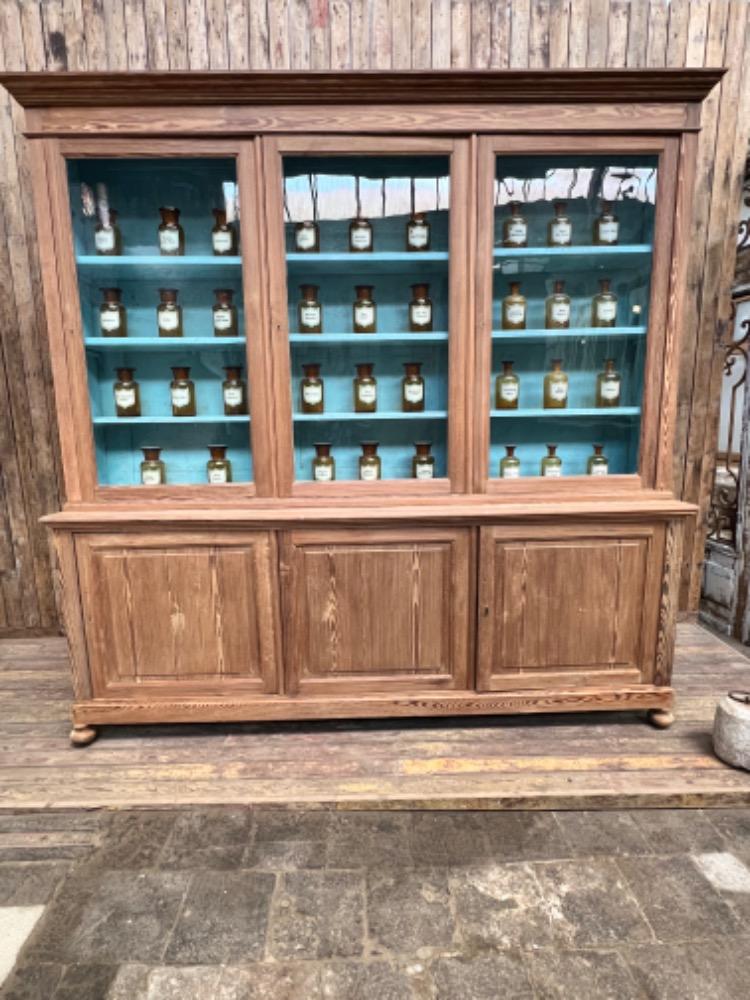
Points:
x=561, y=233
x=222, y=241
x=151, y=477
x=561, y=312
x=309, y=316
x=125, y=398
x=305, y=238
x=367, y=393
x=233, y=395
x=511, y=472
x=558, y=391
x=606, y=311
x=168, y=319
x=104, y=240
x=180, y=397
x=368, y=472
x=110, y=319
x=516, y=232
x=217, y=475
x=413, y=392
x=323, y=473
x=421, y=314
x=364, y=315
x=418, y=235
x=361, y=238
x=515, y=312
x=312, y=394
x=552, y=471
x=599, y=470
x=169, y=240
x=424, y=470
x=610, y=390
x=509, y=391
x=222, y=319
x=608, y=231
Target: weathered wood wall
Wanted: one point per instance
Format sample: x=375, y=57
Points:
x=350, y=34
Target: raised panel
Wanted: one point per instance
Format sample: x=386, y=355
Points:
x=568, y=604
x=377, y=610
x=195, y=611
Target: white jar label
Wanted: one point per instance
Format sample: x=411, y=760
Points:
x=515, y=313
x=599, y=470
x=233, y=396
x=361, y=238
x=561, y=312
x=323, y=473
x=610, y=390
x=310, y=316
x=509, y=391
x=222, y=241
x=180, y=397
x=110, y=319
x=169, y=240
x=312, y=394
x=222, y=319
x=368, y=472
x=512, y=472
x=418, y=235
x=217, y=475
x=424, y=470
x=516, y=232
x=104, y=240
x=561, y=233
x=151, y=477
x=305, y=238
x=413, y=392
x=125, y=398
x=606, y=311
x=168, y=319
x=421, y=315
x=366, y=393
x=364, y=315
x=558, y=391
x=553, y=471
x=608, y=231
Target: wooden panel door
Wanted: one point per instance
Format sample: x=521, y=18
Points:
x=376, y=610
x=568, y=605
x=175, y=612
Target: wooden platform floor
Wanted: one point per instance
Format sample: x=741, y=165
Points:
x=582, y=761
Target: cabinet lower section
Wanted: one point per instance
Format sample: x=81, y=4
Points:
x=356, y=621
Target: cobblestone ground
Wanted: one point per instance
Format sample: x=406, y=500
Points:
x=235, y=904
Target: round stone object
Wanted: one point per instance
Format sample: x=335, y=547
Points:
x=732, y=729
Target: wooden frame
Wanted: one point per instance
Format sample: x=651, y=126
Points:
x=441, y=538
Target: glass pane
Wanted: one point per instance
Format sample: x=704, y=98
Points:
x=148, y=280
x=571, y=279
x=367, y=268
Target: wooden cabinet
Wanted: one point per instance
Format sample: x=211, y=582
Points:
x=499, y=256
x=377, y=610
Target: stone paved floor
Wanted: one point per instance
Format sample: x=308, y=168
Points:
x=231, y=904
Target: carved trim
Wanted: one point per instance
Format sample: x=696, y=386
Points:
x=670, y=583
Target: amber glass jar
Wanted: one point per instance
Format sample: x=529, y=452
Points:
x=507, y=388
x=307, y=237
x=510, y=464
x=311, y=390
x=365, y=390
x=412, y=388
x=608, y=385
x=369, y=461
x=223, y=235
x=604, y=305
x=234, y=392
x=182, y=393
x=108, y=239
x=551, y=465
x=420, y=309
x=171, y=233
x=153, y=469
x=364, y=310
x=218, y=467
x=514, y=308
x=556, y=387
x=127, y=394
x=598, y=464
x=418, y=233
x=606, y=227
x=360, y=236
x=169, y=314
x=309, y=310
x=224, y=313
x=423, y=463
x=515, y=228
x=557, y=308
x=324, y=464
x=113, y=316
x=559, y=227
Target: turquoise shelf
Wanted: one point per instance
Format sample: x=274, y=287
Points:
x=153, y=260
x=383, y=415
x=161, y=343
x=625, y=250
x=218, y=418
x=585, y=411
x=517, y=336
x=353, y=263
x=368, y=338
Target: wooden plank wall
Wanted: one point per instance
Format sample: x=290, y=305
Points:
x=350, y=34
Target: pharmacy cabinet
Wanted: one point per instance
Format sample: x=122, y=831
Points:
x=366, y=387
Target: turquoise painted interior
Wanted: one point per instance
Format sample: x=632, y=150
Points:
x=581, y=348
x=136, y=189
x=391, y=270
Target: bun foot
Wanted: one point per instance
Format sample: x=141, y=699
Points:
x=81, y=736
x=661, y=718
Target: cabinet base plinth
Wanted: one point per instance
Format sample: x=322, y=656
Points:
x=81, y=735
x=660, y=718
